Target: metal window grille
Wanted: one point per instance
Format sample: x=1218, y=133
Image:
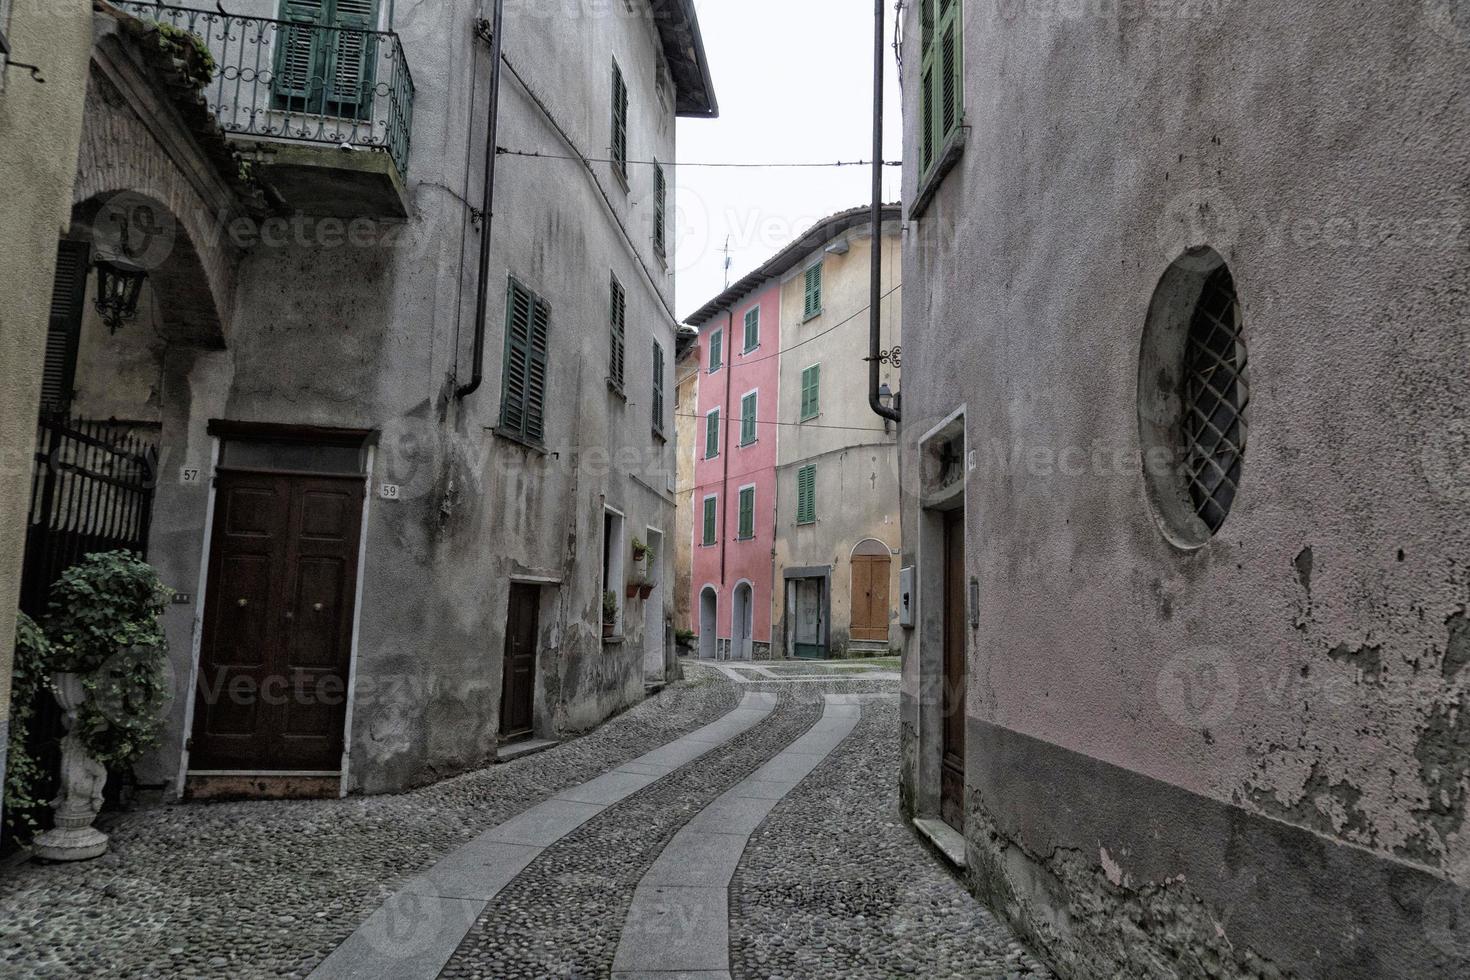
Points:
x=1216, y=395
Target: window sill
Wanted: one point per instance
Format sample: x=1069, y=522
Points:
x=750, y=350
x=614, y=388
x=810, y=418
x=617, y=639
x=620, y=176
x=954, y=148
x=750, y=538
x=812, y=316
x=810, y=523
x=519, y=440
x=750, y=443
x=659, y=435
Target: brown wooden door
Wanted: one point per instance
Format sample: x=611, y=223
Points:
x=277, y=638
x=870, y=597
x=518, y=686
x=952, y=761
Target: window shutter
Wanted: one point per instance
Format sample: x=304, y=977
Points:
x=519, y=311
x=619, y=122
x=300, y=64
x=747, y=419
x=63, y=333
x=716, y=350
x=658, y=388
x=660, y=212
x=806, y=495
x=942, y=87
x=752, y=328
x=709, y=520
x=712, y=434
x=813, y=290
x=617, y=322
x=810, y=392
x=536, y=372
x=354, y=50
x=747, y=513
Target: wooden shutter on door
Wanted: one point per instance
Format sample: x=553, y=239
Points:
x=63, y=333
x=300, y=60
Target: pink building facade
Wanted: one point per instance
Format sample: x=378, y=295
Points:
x=735, y=473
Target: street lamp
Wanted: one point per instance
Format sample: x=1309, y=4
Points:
x=885, y=398
x=119, y=285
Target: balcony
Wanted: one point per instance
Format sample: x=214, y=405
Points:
x=330, y=105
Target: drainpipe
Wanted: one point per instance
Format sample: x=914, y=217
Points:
x=482, y=290
x=727, y=354
x=875, y=288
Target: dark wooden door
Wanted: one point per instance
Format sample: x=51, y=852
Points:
x=518, y=687
x=277, y=638
x=952, y=762
x=870, y=597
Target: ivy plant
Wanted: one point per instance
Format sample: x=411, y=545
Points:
x=22, y=772
x=103, y=623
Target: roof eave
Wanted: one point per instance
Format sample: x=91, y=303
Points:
x=678, y=28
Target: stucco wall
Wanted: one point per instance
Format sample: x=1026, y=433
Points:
x=855, y=454
x=686, y=375
x=374, y=332
x=730, y=561
x=1295, y=686
x=40, y=127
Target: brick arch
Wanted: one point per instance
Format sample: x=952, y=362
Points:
x=124, y=153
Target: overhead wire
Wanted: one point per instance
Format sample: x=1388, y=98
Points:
x=538, y=154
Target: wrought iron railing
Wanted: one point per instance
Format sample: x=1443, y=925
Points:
x=302, y=81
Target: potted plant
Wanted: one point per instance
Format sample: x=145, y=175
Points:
x=109, y=676
x=609, y=612
x=639, y=550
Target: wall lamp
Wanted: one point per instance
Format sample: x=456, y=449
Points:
x=119, y=286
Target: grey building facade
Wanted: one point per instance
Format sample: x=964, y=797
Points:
x=388, y=572
x=1185, y=484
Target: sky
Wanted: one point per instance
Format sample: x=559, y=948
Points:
x=794, y=80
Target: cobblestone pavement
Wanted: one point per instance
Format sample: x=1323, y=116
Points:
x=269, y=889
x=832, y=884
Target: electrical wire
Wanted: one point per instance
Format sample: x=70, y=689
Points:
x=804, y=425
x=505, y=151
x=820, y=333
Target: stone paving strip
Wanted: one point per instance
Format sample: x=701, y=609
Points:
x=679, y=919
x=564, y=915
x=416, y=930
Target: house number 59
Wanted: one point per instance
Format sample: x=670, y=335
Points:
x=388, y=491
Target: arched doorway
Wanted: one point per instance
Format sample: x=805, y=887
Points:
x=741, y=616
x=708, y=609
x=871, y=567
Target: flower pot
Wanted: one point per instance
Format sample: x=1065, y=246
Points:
x=632, y=589
x=644, y=591
x=607, y=630
x=82, y=777
x=639, y=553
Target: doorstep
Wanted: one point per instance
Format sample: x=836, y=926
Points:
x=519, y=750
x=262, y=786
x=950, y=843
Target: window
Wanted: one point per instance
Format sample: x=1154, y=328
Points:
x=746, y=529
x=612, y=564
x=660, y=212
x=617, y=315
x=806, y=495
x=752, y=328
x=658, y=388
x=710, y=504
x=716, y=350
x=326, y=66
x=747, y=419
x=523, y=387
x=1194, y=398
x=811, y=380
x=712, y=434
x=619, y=123
x=940, y=90
x=813, y=291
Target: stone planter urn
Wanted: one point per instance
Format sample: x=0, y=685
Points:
x=82, y=777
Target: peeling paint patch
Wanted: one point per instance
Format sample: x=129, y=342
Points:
x=1303, y=563
x=1367, y=659
x=1443, y=752
x=1457, y=648
x=1325, y=805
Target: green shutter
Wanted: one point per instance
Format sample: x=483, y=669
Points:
x=617, y=320
x=716, y=350
x=941, y=98
x=811, y=379
x=813, y=291
x=64, y=332
x=523, y=387
x=709, y=520
x=747, y=419
x=747, y=513
x=328, y=67
x=619, y=122
x=712, y=434
x=806, y=495
x=752, y=328
x=658, y=388
x=660, y=212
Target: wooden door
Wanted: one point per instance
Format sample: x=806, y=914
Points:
x=952, y=761
x=518, y=684
x=277, y=638
x=870, y=597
